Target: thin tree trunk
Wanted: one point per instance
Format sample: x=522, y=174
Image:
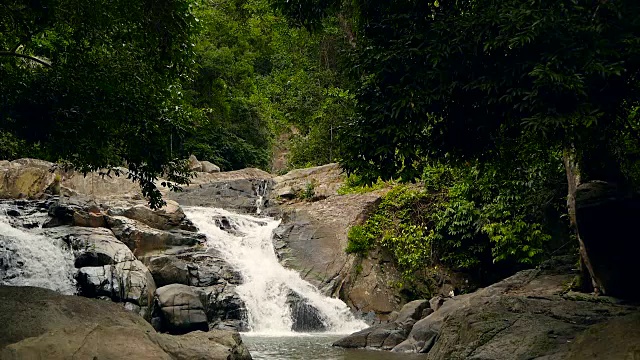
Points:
x=573, y=180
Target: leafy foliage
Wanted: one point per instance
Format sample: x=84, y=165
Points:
x=466, y=217
x=96, y=84
x=460, y=77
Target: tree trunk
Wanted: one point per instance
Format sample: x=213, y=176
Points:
x=573, y=181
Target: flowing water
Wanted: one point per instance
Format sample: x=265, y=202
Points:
x=313, y=347
x=245, y=242
x=28, y=258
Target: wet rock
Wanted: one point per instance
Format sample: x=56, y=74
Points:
x=306, y=318
x=194, y=268
x=224, y=308
x=389, y=335
x=179, y=309
x=13, y=212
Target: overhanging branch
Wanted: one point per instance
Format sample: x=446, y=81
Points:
x=28, y=57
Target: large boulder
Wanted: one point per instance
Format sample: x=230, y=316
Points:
x=92, y=246
x=306, y=318
x=25, y=178
x=141, y=238
x=210, y=168
x=192, y=267
x=129, y=282
x=194, y=164
x=179, y=310
x=224, y=308
x=325, y=181
x=168, y=217
x=198, y=345
x=389, y=335
x=42, y=324
x=524, y=316
x=607, y=218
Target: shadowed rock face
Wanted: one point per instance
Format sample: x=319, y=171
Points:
x=41, y=324
x=306, y=318
x=608, y=221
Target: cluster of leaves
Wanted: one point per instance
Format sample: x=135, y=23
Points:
x=97, y=84
x=466, y=216
x=354, y=184
x=461, y=77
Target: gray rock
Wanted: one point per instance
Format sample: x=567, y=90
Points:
x=436, y=302
x=92, y=246
x=521, y=317
x=213, y=345
x=194, y=164
x=236, y=194
x=179, y=309
x=168, y=269
x=127, y=281
x=168, y=217
x=225, y=310
x=142, y=239
x=306, y=318
x=194, y=268
x=381, y=336
x=209, y=167
x=412, y=311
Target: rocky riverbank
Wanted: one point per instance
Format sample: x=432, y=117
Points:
x=530, y=315
x=153, y=263
x=42, y=324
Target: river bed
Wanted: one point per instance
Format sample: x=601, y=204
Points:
x=312, y=347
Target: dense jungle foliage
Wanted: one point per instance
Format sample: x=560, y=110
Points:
x=481, y=106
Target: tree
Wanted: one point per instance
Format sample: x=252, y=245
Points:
x=457, y=79
x=95, y=84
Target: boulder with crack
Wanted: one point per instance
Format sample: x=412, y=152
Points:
x=178, y=310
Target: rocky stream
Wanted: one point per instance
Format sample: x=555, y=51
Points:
x=237, y=266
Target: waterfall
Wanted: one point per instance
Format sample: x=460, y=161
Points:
x=28, y=258
x=261, y=191
x=245, y=242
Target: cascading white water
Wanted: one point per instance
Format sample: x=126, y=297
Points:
x=261, y=191
x=248, y=247
x=31, y=259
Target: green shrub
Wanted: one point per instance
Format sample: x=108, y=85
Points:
x=466, y=217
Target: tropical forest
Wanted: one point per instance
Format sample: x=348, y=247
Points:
x=304, y=179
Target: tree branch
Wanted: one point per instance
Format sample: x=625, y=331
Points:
x=28, y=57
